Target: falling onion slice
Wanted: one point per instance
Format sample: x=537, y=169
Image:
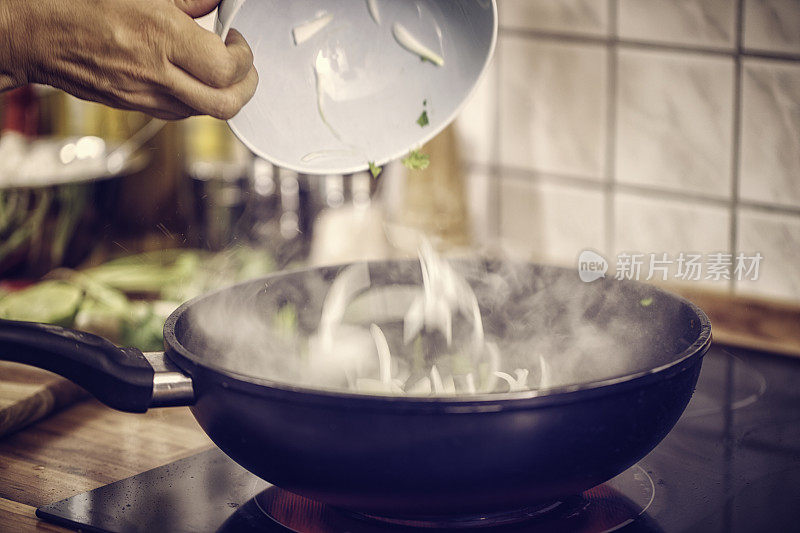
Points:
x=304, y=32
x=384, y=355
x=410, y=43
x=512, y=382
x=374, y=12
x=436, y=381
x=470, y=384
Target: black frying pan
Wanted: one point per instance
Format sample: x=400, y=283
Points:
x=401, y=456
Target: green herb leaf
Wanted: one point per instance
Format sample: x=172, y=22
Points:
x=423, y=119
x=286, y=321
x=646, y=302
x=375, y=169
x=416, y=160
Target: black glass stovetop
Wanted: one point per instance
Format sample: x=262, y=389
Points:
x=732, y=464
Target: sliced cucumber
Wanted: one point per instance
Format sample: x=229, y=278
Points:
x=51, y=302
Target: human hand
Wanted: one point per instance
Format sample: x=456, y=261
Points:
x=147, y=55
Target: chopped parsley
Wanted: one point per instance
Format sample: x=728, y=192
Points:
x=423, y=119
x=416, y=160
x=375, y=169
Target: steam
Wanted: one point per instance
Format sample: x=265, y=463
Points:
x=433, y=327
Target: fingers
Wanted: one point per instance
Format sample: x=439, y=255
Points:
x=162, y=106
x=209, y=76
x=159, y=106
x=196, y=8
x=222, y=103
x=203, y=55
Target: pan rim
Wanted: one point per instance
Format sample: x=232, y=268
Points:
x=189, y=363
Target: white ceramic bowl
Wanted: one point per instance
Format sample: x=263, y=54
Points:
x=374, y=89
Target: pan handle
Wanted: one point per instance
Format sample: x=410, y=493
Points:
x=122, y=378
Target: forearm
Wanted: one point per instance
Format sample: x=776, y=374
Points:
x=12, y=64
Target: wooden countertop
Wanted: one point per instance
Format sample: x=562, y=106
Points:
x=82, y=448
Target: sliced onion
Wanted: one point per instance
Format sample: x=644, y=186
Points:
x=470, y=384
x=494, y=364
x=373, y=11
x=512, y=383
x=515, y=383
x=421, y=387
x=414, y=320
x=304, y=32
x=384, y=355
x=546, y=380
x=351, y=281
x=436, y=380
x=412, y=44
x=522, y=378
x=449, y=384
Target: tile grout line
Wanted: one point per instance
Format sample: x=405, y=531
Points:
x=610, y=200
x=577, y=38
x=593, y=184
x=736, y=144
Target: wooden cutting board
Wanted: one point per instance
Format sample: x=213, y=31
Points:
x=28, y=394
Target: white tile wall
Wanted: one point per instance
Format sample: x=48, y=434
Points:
x=777, y=237
x=553, y=100
x=772, y=25
x=686, y=22
x=689, y=150
x=480, y=188
x=578, y=16
x=648, y=225
x=476, y=124
x=770, y=162
x=674, y=119
x=550, y=222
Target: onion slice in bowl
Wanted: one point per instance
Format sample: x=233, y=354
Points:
x=304, y=32
x=412, y=44
x=374, y=11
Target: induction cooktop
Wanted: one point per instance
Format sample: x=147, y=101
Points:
x=731, y=464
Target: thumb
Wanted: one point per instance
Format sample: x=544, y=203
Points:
x=196, y=8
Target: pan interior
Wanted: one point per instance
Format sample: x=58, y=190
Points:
x=543, y=320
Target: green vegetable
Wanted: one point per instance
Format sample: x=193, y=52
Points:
x=423, y=119
x=286, y=321
x=28, y=226
x=110, y=299
x=375, y=169
x=94, y=317
x=51, y=302
x=148, y=273
x=145, y=326
x=72, y=200
x=646, y=302
x=243, y=264
x=416, y=160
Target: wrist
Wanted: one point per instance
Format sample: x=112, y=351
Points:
x=13, y=61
